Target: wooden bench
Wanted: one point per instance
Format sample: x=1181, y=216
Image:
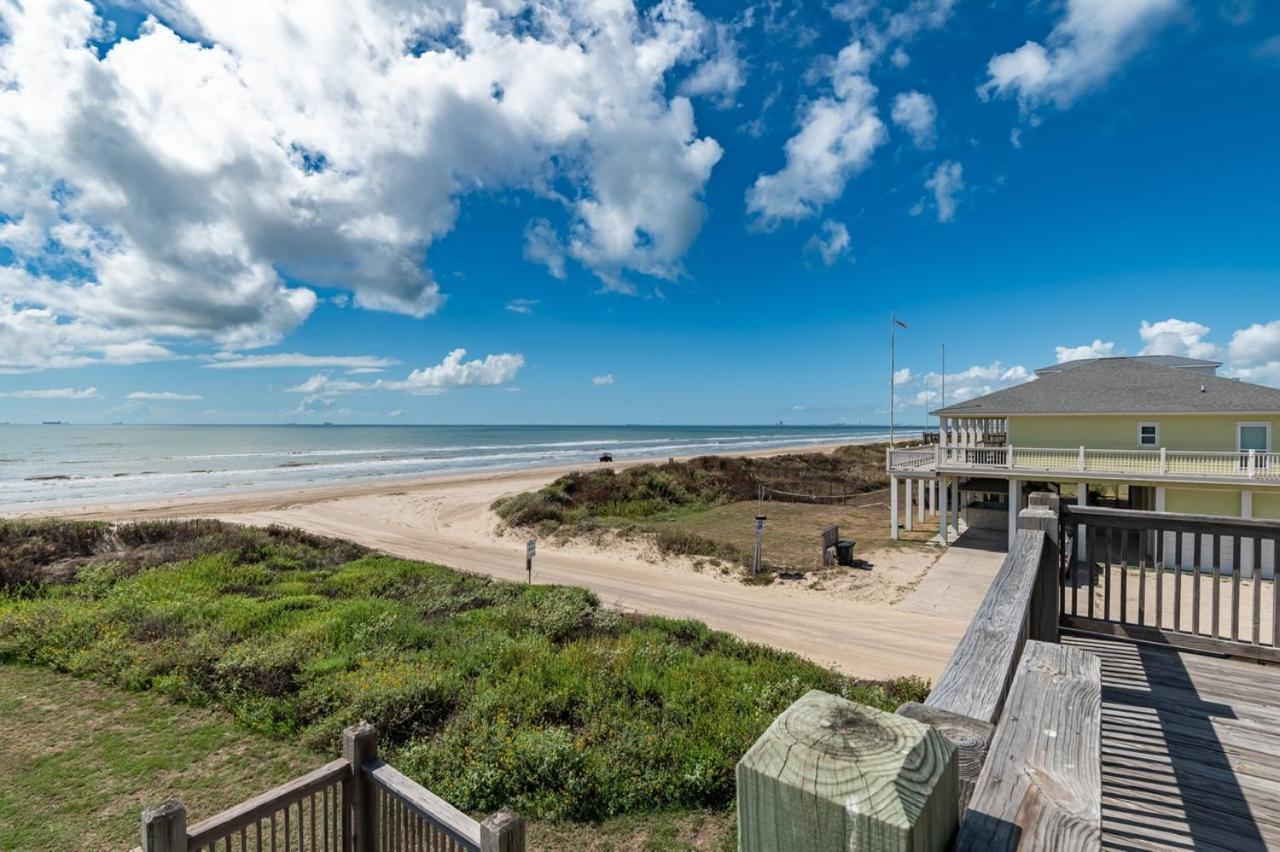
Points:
x=1041, y=785
x=830, y=536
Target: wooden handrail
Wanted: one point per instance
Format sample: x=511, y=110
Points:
x=976, y=678
x=377, y=809
x=1041, y=787
x=265, y=804
x=425, y=805
x=1137, y=519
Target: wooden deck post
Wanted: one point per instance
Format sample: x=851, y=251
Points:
x=502, y=832
x=164, y=828
x=830, y=774
x=359, y=746
x=1042, y=514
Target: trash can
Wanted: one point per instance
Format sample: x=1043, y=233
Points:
x=844, y=551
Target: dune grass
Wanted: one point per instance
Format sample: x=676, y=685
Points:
x=655, y=499
x=492, y=694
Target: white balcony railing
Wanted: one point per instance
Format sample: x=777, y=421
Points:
x=913, y=458
x=1162, y=464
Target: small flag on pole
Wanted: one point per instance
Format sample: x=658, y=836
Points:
x=900, y=322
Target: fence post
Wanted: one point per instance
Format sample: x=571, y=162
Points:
x=502, y=832
x=1164, y=461
x=1253, y=463
x=1042, y=514
x=359, y=746
x=1082, y=458
x=164, y=828
x=830, y=775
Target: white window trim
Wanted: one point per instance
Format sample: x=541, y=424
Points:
x=1265, y=424
x=1156, y=425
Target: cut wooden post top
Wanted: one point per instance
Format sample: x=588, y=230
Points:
x=832, y=774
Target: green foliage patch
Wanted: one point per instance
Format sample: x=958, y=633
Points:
x=490, y=693
x=637, y=497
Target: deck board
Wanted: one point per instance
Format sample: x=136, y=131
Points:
x=1190, y=749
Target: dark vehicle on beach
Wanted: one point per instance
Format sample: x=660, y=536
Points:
x=606, y=457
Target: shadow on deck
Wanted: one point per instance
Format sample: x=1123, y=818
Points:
x=1190, y=749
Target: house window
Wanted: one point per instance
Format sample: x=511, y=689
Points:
x=1149, y=435
x=1253, y=436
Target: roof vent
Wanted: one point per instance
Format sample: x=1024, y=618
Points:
x=1202, y=389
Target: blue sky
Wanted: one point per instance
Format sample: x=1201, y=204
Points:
x=711, y=225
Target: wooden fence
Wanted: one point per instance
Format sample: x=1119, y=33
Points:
x=357, y=803
x=1197, y=582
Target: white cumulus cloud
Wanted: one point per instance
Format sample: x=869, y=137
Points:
x=1176, y=337
x=1086, y=48
x=606, y=379
x=199, y=177
x=946, y=183
x=1256, y=344
x=838, y=134
x=452, y=372
x=832, y=243
x=916, y=113
x=1097, y=349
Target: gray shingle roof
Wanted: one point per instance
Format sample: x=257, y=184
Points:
x=1123, y=386
x=1159, y=360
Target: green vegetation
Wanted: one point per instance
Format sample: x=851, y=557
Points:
x=647, y=497
x=489, y=693
x=82, y=759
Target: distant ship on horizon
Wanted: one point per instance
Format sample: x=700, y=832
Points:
x=51, y=423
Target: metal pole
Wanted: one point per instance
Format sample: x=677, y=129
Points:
x=893, y=334
x=944, y=387
x=758, y=557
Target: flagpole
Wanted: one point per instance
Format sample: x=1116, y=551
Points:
x=944, y=388
x=893, y=335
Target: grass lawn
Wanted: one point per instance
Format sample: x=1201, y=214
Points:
x=81, y=761
x=491, y=694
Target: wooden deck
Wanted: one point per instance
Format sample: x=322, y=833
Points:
x=1190, y=749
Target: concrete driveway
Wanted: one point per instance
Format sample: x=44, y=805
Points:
x=958, y=581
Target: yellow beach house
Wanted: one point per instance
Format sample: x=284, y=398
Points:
x=1158, y=433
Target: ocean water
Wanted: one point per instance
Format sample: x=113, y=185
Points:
x=58, y=465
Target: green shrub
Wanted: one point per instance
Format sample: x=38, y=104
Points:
x=491, y=694
x=678, y=542
x=650, y=491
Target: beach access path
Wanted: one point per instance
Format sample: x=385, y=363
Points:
x=447, y=520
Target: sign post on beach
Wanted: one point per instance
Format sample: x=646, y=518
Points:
x=530, y=548
x=759, y=535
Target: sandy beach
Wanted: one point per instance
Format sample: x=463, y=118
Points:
x=447, y=519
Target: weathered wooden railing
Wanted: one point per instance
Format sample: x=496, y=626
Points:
x=1200, y=582
x=357, y=803
x=1004, y=753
